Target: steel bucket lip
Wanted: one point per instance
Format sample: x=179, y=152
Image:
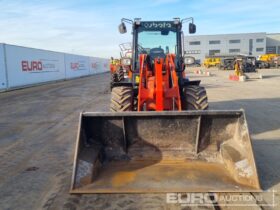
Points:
x=79, y=191
x=165, y=113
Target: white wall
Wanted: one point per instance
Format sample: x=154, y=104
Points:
x=3, y=81
x=28, y=66
x=98, y=65
x=76, y=66
x=106, y=65
x=95, y=65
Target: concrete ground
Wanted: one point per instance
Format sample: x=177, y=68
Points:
x=38, y=128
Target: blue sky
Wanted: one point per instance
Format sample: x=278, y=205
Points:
x=89, y=27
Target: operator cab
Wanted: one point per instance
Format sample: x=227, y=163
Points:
x=157, y=39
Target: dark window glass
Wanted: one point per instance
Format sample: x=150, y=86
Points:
x=271, y=49
x=213, y=52
x=214, y=42
x=234, y=50
x=234, y=41
x=194, y=43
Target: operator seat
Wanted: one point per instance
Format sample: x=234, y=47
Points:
x=155, y=53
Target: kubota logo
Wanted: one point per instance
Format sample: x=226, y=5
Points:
x=31, y=66
x=157, y=25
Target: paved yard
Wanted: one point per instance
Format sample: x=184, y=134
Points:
x=38, y=130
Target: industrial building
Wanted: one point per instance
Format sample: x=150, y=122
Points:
x=200, y=46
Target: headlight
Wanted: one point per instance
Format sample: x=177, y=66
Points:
x=189, y=60
x=137, y=79
x=126, y=61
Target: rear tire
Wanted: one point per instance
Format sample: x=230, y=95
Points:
x=114, y=77
x=121, y=99
x=120, y=74
x=195, y=98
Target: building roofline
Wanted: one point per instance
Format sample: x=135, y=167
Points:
x=272, y=33
x=264, y=33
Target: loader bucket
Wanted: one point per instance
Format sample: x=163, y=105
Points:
x=140, y=152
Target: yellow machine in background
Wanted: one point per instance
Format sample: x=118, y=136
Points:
x=268, y=57
x=211, y=62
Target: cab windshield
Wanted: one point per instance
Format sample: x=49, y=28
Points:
x=165, y=41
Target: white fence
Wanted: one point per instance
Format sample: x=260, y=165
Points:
x=27, y=66
x=3, y=77
x=21, y=66
x=76, y=66
x=98, y=65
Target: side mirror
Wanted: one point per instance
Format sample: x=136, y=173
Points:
x=192, y=28
x=122, y=28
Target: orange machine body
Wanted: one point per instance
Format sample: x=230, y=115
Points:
x=158, y=86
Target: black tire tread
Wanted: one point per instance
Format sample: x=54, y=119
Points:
x=195, y=98
x=120, y=74
x=114, y=77
x=121, y=99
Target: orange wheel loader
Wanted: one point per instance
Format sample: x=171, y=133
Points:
x=159, y=135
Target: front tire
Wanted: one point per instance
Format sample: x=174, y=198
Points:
x=121, y=99
x=195, y=98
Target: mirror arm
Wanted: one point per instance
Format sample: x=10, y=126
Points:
x=183, y=43
x=187, y=20
x=125, y=20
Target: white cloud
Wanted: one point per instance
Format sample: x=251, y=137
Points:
x=55, y=28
